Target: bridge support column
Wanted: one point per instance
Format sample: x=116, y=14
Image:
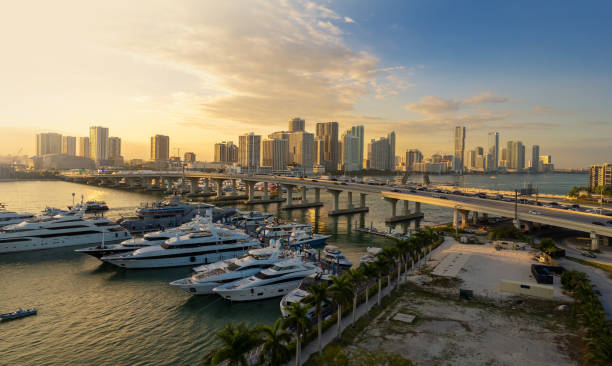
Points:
x=194, y=185
x=289, y=189
x=351, y=209
x=266, y=193
x=485, y=217
x=235, y=191
x=594, y=241
x=362, y=199
x=464, y=218
x=250, y=189
x=206, y=185
x=393, y=202
x=417, y=207
x=317, y=194
x=336, y=195
x=455, y=218
x=219, y=183
x=350, y=199
x=475, y=217
x=304, y=191
x=406, y=208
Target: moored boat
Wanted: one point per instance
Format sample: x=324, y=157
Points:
x=18, y=314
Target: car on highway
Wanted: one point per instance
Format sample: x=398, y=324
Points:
x=438, y=196
x=395, y=190
x=534, y=212
x=458, y=193
x=598, y=223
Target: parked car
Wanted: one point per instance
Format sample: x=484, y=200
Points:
x=534, y=212
x=598, y=223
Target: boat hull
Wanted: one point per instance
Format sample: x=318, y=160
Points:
x=187, y=260
x=34, y=243
x=259, y=293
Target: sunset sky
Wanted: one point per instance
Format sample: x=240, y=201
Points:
x=205, y=71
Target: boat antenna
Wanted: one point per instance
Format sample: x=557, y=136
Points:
x=102, y=245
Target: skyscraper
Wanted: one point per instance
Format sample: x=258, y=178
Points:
x=84, y=147
x=189, y=157
x=351, y=160
x=301, y=150
x=379, y=154
x=327, y=132
x=600, y=175
x=114, y=147
x=98, y=143
x=69, y=145
x=413, y=156
x=535, y=158
x=249, y=147
x=516, y=156
x=48, y=143
x=226, y=152
x=494, y=151
x=297, y=124
x=358, y=132
x=274, y=154
x=459, y=149
x=160, y=148
x=391, y=139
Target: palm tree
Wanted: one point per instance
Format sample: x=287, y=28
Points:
x=319, y=296
x=298, y=320
x=236, y=342
x=356, y=276
x=275, y=342
x=342, y=291
x=382, y=267
x=369, y=272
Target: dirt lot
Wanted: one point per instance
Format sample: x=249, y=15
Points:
x=453, y=332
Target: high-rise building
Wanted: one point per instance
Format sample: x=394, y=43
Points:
x=160, y=148
x=98, y=143
x=297, y=124
x=84, y=147
x=189, y=157
x=351, y=160
x=379, y=154
x=328, y=133
x=516, y=156
x=226, y=152
x=600, y=175
x=413, y=156
x=301, y=150
x=494, y=151
x=249, y=147
x=274, y=154
x=391, y=140
x=535, y=158
x=114, y=147
x=48, y=143
x=358, y=132
x=459, y=149
x=69, y=145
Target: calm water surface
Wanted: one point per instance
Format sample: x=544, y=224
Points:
x=92, y=313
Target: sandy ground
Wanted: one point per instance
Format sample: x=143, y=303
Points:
x=449, y=332
x=485, y=267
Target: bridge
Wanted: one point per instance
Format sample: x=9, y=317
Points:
x=597, y=226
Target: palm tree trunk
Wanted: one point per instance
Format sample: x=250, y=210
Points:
x=389, y=280
x=399, y=272
x=367, y=296
x=319, y=331
x=339, y=319
x=297, y=348
x=379, y=289
x=354, y=307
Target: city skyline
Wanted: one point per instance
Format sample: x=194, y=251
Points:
x=374, y=65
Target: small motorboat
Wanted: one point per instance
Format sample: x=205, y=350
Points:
x=18, y=314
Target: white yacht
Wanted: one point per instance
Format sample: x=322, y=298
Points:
x=250, y=219
x=334, y=257
x=10, y=217
x=155, y=238
x=370, y=255
x=303, y=239
x=300, y=293
x=282, y=230
x=213, y=244
x=62, y=230
x=275, y=281
x=229, y=270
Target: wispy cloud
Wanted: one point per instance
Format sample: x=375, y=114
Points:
x=349, y=20
x=430, y=104
x=486, y=97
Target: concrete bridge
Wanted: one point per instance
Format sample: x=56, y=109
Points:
x=595, y=225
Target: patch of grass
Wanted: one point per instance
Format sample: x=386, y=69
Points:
x=601, y=266
x=446, y=282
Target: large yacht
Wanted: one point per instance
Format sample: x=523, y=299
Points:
x=276, y=230
x=62, y=230
x=275, y=281
x=91, y=206
x=250, y=219
x=210, y=245
x=9, y=217
x=229, y=270
x=169, y=213
x=334, y=257
x=304, y=239
x=149, y=239
x=301, y=293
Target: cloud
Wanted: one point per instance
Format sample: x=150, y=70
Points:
x=266, y=62
x=434, y=105
x=486, y=97
x=348, y=20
